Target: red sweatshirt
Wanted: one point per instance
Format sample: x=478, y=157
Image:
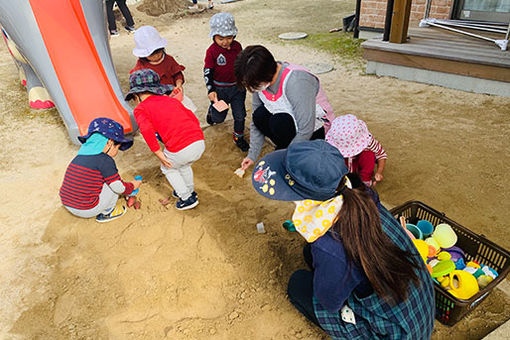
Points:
x=168, y=70
x=176, y=125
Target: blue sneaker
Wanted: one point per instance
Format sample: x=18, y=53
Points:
x=190, y=203
x=174, y=194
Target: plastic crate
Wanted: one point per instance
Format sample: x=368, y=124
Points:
x=449, y=310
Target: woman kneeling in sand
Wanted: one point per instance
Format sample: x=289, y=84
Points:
x=366, y=278
x=288, y=102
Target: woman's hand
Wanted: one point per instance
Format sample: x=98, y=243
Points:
x=378, y=177
x=213, y=96
x=246, y=163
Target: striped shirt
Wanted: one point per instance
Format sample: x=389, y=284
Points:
x=84, y=179
x=377, y=148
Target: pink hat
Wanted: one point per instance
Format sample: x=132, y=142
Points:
x=349, y=135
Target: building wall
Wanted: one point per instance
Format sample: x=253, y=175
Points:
x=373, y=12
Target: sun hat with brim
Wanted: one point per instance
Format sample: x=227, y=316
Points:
x=222, y=24
x=146, y=80
x=147, y=40
x=110, y=129
x=349, y=134
x=306, y=170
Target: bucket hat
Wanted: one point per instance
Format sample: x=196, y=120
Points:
x=306, y=170
x=147, y=40
x=222, y=24
x=146, y=80
x=349, y=134
x=110, y=129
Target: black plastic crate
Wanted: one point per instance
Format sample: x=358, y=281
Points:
x=449, y=310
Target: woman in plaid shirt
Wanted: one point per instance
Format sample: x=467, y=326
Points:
x=366, y=278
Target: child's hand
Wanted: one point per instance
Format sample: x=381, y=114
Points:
x=246, y=163
x=213, y=96
x=162, y=158
x=378, y=177
x=136, y=184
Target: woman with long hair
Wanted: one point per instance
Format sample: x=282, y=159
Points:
x=367, y=280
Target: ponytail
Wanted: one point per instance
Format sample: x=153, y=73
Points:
x=388, y=268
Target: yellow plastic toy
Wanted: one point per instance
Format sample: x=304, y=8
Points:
x=423, y=248
x=433, y=243
x=444, y=235
x=462, y=284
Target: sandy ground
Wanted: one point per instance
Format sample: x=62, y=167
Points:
x=206, y=274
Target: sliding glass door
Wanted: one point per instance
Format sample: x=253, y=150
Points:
x=486, y=10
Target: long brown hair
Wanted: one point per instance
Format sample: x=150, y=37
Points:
x=388, y=268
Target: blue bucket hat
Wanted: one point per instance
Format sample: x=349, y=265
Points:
x=110, y=129
x=306, y=170
x=146, y=80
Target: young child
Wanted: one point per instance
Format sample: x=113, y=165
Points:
x=92, y=184
x=219, y=76
x=176, y=126
x=361, y=151
x=150, y=50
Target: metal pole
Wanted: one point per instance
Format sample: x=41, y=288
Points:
x=427, y=9
x=387, y=21
x=356, y=17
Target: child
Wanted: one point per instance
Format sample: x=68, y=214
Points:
x=176, y=126
x=361, y=151
x=219, y=76
x=92, y=184
x=150, y=50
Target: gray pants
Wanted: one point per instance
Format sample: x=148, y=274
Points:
x=107, y=201
x=180, y=175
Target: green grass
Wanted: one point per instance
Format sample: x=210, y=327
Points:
x=340, y=44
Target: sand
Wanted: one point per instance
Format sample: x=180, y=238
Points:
x=158, y=273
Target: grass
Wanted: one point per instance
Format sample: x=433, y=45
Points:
x=340, y=44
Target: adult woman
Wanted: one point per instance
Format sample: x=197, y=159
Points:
x=367, y=278
x=288, y=102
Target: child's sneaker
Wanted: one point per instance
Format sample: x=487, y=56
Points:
x=210, y=6
x=190, y=203
x=114, y=214
x=241, y=143
x=174, y=194
x=114, y=33
x=130, y=28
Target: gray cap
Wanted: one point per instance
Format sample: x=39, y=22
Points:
x=222, y=24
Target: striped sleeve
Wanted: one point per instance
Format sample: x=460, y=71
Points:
x=377, y=148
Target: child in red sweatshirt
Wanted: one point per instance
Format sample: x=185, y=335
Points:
x=165, y=118
x=219, y=76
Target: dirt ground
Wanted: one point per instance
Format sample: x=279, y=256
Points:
x=157, y=273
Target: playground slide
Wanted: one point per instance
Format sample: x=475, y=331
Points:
x=66, y=43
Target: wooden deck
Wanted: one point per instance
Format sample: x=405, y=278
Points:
x=435, y=49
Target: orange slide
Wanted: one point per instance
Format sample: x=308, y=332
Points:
x=77, y=64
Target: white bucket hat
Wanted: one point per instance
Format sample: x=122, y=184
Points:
x=349, y=135
x=147, y=40
x=222, y=24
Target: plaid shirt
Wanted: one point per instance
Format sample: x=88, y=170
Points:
x=376, y=319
